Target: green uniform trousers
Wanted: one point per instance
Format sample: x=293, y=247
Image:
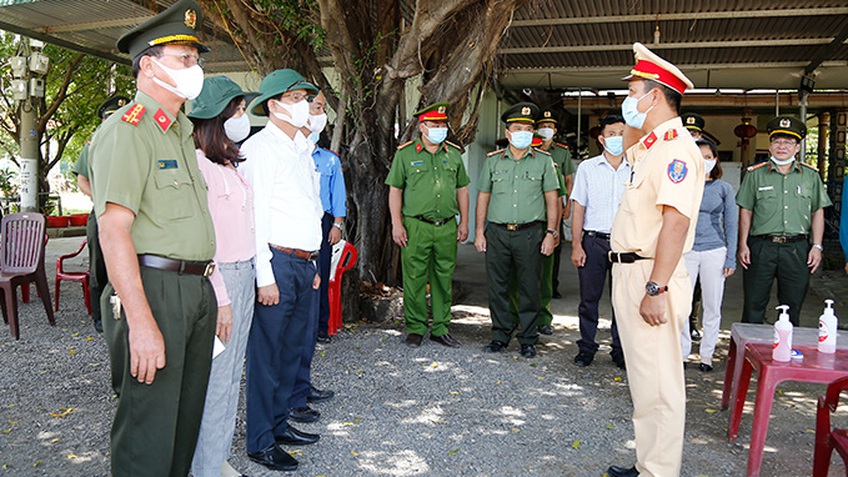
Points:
x=429, y=256
x=785, y=261
x=546, y=292
x=156, y=426
x=96, y=267
x=507, y=253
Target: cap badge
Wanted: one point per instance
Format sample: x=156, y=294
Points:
x=785, y=123
x=525, y=110
x=547, y=114
x=441, y=110
x=122, y=102
x=190, y=18
x=690, y=120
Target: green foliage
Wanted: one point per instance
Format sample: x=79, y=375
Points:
x=298, y=17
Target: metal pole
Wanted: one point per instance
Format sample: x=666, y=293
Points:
x=29, y=157
x=579, y=120
x=803, y=113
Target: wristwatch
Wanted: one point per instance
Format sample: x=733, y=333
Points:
x=553, y=232
x=818, y=246
x=652, y=289
x=339, y=225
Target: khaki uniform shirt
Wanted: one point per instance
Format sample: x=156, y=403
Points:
x=668, y=169
x=782, y=204
x=142, y=158
x=517, y=186
x=429, y=181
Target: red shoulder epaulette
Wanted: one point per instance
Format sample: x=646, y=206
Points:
x=542, y=151
x=564, y=146
x=757, y=166
x=134, y=114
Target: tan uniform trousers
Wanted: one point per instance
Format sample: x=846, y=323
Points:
x=654, y=366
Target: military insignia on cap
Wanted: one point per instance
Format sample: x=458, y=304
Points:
x=525, y=110
x=677, y=171
x=690, y=120
x=122, y=102
x=785, y=123
x=190, y=18
x=547, y=114
x=441, y=110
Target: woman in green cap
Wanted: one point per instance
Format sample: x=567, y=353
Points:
x=220, y=121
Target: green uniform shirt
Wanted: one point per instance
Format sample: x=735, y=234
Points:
x=429, y=181
x=562, y=158
x=781, y=204
x=81, y=166
x=517, y=186
x=144, y=159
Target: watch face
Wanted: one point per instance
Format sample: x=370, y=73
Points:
x=652, y=289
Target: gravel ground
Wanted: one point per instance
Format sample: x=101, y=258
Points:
x=429, y=411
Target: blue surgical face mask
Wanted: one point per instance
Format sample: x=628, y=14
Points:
x=630, y=111
x=521, y=139
x=614, y=145
x=437, y=135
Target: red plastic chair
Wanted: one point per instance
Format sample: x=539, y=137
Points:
x=346, y=262
x=22, y=262
x=828, y=439
x=81, y=277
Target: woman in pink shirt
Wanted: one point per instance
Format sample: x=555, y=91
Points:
x=220, y=122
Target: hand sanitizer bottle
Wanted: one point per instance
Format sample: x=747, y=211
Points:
x=782, y=350
x=827, y=329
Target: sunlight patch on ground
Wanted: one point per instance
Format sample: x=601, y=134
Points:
x=405, y=462
x=391, y=332
x=431, y=415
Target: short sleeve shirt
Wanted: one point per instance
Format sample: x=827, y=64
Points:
x=81, y=166
x=144, y=159
x=429, y=180
x=517, y=187
x=782, y=204
x=667, y=170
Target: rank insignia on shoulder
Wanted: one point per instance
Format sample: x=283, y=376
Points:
x=499, y=151
x=452, y=144
x=404, y=145
x=134, y=114
x=757, y=166
x=677, y=171
x=542, y=151
x=162, y=119
x=670, y=134
x=168, y=164
x=564, y=146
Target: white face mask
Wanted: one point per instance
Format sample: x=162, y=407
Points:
x=709, y=164
x=782, y=163
x=189, y=80
x=237, y=129
x=317, y=122
x=546, y=133
x=298, y=113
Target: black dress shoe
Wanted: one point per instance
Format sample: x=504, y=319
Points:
x=98, y=326
x=294, y=437
x=528, y=351
x=584, y=358
x=494, y=347
x=446, y=340
x=705, y=368
x=546, y=330
x=413, y=340
x=614, y=471
x=618, y=359
x=318, y=395
x=304, y=414
x=274, y=458
x=323, y=337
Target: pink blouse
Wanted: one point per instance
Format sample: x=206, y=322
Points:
x=231, y=206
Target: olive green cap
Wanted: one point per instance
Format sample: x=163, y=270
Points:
x=693, y=121
x=276, y=83
x=214, y=98
x=547, y=116
x=521, y=113
x=175, y=26
x=111, y=105
x=434, y=112
x=787, y=126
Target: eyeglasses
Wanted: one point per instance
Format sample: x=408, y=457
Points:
x=784, y=142
x=296, y=97
x=188, y=60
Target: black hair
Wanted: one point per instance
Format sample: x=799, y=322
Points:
x=211, y=138
x=152, y=51
x=716, y=172
x=611, y=119
x=672, y=97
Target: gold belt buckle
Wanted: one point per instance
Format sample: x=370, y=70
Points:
x=779, y=239
x=512, y=227
x=210, y=267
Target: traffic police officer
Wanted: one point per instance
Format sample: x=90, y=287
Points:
x=518, y=197
x=654, y=226
x=782, y=205
x=158, y=242
x=428, y=186
x=97, y=268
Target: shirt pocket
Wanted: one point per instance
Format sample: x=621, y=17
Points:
x=805, y=201
x=767, y=193
x=500, y=184
x=630, y=198
x=175, y=194
x=416, y=177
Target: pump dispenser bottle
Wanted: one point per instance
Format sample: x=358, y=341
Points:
x=782, y=350
x=827, y=329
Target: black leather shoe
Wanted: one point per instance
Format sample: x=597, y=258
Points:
x=618, y=359
x=546, y=330
x=528, y=351
x=294, y=437
x=323, y=337
x=446, y=340
x=614, y=471
x=705, y=368
x=318, y=395
x=304, y=414
x=584, y=359
x=494, y=347
x=98, y=326
x=274, y=458
x=413, y=340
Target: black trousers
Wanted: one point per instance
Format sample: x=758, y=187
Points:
x=593, y=274
x=97, y=266
x=325, y=259
x=787, y=262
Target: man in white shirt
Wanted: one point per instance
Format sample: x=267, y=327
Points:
x=288, y=212
x=598, y=186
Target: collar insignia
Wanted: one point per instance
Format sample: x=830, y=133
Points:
x=162, y=119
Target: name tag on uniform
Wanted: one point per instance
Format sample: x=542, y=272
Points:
x=765, y=188
x=416, y=163
x=168, y=164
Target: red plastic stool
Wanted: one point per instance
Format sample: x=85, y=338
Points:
x=82, y=277
x=346, y=262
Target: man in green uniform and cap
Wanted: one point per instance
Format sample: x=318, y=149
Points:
x=158, y=242
x=96, y=266
x=428, y=186
x=781, y=223
x=518, y=197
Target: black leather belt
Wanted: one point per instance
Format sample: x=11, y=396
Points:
x=173, y=265
x=600, y=235
x=625, y=257
x=514, y=227
x=296, y=252
x=782, y=238
x=437, y=223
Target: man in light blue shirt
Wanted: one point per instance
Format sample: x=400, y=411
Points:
x=598, y=186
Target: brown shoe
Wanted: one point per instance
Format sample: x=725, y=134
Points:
x=446, y=340
x=413, y=340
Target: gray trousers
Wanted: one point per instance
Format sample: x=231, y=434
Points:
x=222, y=395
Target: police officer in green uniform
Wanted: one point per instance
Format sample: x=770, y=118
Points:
x=518, y=197
x=97, y=268
x=428, y=186
x=158, y=241
x=781, y=223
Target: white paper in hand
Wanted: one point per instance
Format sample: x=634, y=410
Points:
x=218, y=347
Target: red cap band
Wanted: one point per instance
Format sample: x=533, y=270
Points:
x=652, y=71
x=433, y=115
